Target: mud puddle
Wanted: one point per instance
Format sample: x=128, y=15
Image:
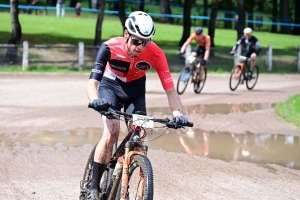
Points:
x=248, y=147
x=216, y=108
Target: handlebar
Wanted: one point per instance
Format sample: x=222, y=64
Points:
x=168, y=122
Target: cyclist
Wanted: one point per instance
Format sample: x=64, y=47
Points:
x=252, y=47
x=118, y=76
x=202, y=49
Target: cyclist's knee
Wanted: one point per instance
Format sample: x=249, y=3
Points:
x=110, y=136
x=194, y=54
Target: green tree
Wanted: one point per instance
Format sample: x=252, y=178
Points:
x=165, y=9
x=296, y=29
x=97, y=40
x=212, y=20
x=16, y=33
x=285, y=16
x=241, y=11
x=122, y=13
x=186, y=21
x=274, y=15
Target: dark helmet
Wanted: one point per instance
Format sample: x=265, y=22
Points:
x=198, y=30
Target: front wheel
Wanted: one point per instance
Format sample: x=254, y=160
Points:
x=183, y=80
x=252, y=79
x=140, y=180
x=198, y=85
x=235, y=77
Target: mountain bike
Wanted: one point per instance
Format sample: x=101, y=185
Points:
x=129, y=173
x=191, y=71
x=242, y=72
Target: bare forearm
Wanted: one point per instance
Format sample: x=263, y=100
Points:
x=183, y=47
x=174, y=102
x=92, y=89
x=206, y=54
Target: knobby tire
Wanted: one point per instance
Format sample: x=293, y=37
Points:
x=250, y=83
x=232, y=84
x=139, y=162
x=183, y=80
x=198, y=86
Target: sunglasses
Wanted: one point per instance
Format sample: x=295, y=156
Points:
x=137, y=42
x=198, y=33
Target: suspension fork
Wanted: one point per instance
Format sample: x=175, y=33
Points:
x=134, y=142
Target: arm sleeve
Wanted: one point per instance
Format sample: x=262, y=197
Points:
x=164, y=72
x=241, y=40
x=103, y=56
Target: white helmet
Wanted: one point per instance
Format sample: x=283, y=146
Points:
x=140, y=24
x=247, y=30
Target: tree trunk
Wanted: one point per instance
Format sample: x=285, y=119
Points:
x=275, y=15
x=205, y=13
x=16, y=34
x=250, y=8
x=122, y=13
x=141, y=5
x=285, y=16
x=241, y=18
x=100, y=18
x=212, y=20
x=228, y=6
x=296, y=30
x=186, y=21
x=165, y=9
x=73, y=3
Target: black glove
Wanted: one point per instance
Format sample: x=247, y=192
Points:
x=100, y=104
x=203, y=62
x=181, y=120
x=181, y=54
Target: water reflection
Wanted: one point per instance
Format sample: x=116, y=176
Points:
x=216, y=108
x=255, y=148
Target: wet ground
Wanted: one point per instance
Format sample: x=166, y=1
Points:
x=238, y=149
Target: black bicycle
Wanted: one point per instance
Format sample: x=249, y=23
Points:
x=241, y=72
x=191, y=71
x=129, y=173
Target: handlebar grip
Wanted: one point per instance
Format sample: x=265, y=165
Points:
x=90, y=105
x=190, y=124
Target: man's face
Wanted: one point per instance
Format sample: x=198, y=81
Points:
x=248, y=35
x=136, y=45
x=199, y=35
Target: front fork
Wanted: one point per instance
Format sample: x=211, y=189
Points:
x=125, y=174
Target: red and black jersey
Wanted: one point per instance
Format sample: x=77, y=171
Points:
x=113, y=61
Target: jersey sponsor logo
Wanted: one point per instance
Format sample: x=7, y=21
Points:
x=97, y=71
x=168, y=80
x=143, y=65
x=119, y=65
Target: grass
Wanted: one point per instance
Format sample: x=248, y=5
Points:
x=41, y=29
x=290, y=110
x=48, y=29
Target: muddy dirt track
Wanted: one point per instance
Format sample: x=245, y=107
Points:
x=39, y=165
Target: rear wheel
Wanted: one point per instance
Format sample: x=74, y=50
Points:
x=198, y=85
x=140, y=174
x=251, y=80
x=235, y=77
x=183, y=80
